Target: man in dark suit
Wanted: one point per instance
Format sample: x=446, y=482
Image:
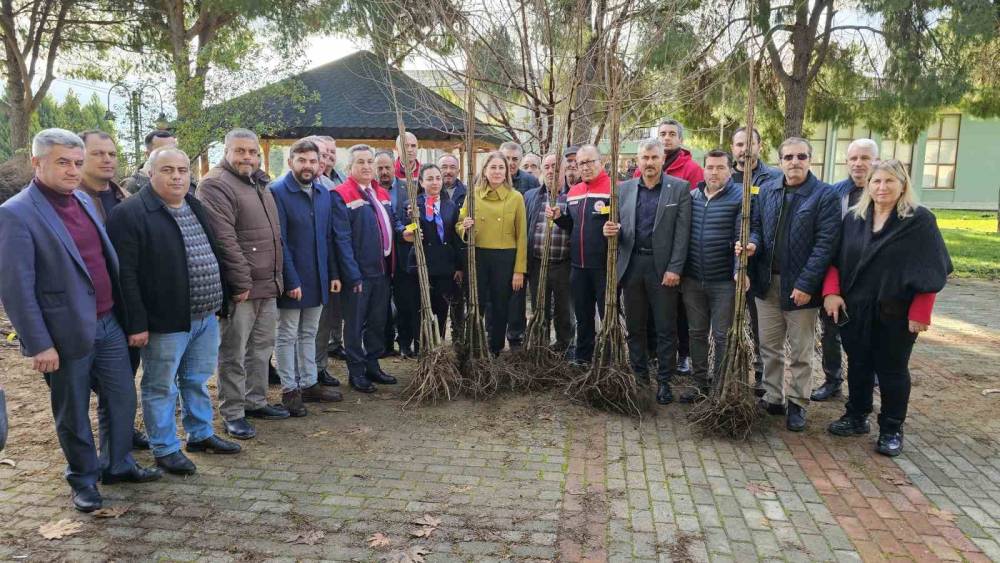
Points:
x=653, y=242
x=59, y=286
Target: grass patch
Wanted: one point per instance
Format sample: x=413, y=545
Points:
x=973, y=242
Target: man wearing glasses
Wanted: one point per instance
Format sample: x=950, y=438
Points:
x=584, y=216
x=795, y=230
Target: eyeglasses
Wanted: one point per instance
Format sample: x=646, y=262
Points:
x=585, y=162
x=790, y=157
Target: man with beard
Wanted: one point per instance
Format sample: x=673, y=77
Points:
x=454, y=190
x=653, y=233
x=310, y=275
x=862, y=154
x=244, y=217
x=747, y=155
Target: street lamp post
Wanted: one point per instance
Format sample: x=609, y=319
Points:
x=134, y=110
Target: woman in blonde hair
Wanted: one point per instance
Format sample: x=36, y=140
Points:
x=880, y=289
x=501, y=242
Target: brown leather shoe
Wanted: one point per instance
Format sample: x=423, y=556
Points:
x=292, y=400
x=320, y=394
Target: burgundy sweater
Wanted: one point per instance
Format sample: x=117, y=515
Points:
x=88, y=243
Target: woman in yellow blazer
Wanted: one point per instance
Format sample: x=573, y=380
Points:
x=501, y=240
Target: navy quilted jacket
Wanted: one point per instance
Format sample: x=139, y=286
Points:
x=715, y=225
x=813, y=237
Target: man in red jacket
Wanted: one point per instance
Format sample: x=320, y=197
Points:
x=678, y=164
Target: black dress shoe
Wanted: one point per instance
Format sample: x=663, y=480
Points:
x=890, y=443
x=323, y=377
x=361, y=383
x=176, y=463
x=239, y=429
x=771, y=408
x=826, y=391
x=796, y=421
x=135, y=474
x=139, y=440
x=214, y=445
x=382, y=377
x=664, y=395
x=848, y=425
x=87, y=499
x=268, y=412
x=684, y=365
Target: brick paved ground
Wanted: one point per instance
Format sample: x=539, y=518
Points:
x=532, y=478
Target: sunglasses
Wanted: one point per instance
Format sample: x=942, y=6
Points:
x=790, y=157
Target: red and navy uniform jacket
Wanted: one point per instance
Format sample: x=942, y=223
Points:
x=356, y=237
x=584, y=215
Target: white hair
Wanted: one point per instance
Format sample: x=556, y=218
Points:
x=864, y=144
x=356, y=149
x=48, y=138
x=652, y=144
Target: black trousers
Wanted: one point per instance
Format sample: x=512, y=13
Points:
x=587, y=285
x=456, y=308
x=406, y=292
x=830, y=341
x=441, y=291
x=883, y=348
x=495, y=270
x=106, y=371
x=558, y=309
x=364, y=325
x=645, y=296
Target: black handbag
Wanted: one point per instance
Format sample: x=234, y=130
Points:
x=3, y=419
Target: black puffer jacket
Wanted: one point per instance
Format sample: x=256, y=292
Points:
x=715, y=226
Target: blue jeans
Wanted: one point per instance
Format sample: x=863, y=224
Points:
x=105, y=370
x=184, y=361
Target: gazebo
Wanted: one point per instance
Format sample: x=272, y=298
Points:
x=351, y=100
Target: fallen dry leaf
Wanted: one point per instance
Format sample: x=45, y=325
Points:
x=413, y=554
x=945, y=515
x=424, y=532
x=892, y=479
x=8, y=461
x=378, y=540
x=318, y=434
x=307, y=538
x=112, y=512
x=428, y=520
x=990, y=391
x=759, y=487
x=60, y=529
x=463, y=489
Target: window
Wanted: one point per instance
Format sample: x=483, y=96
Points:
x=818, y=141
x=844, y=137
x=941, y=153
x=898, y=150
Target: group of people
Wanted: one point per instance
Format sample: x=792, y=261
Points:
x=190, y=278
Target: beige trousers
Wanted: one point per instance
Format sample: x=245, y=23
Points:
x=775, y=327
x=247, y=344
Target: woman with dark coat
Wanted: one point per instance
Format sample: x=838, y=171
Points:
x=437, y=225
x=880, y=289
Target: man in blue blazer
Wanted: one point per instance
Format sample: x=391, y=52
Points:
x=59, y=286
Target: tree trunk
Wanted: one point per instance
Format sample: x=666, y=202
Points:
x=796, y=92
x=19, y=119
